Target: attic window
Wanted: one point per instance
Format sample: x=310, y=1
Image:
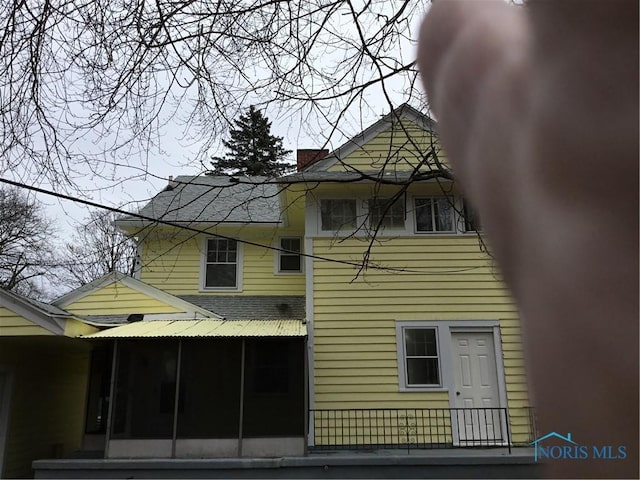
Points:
x=338, y=214
x=383, y=213
x=433, y=214
x=471, y=219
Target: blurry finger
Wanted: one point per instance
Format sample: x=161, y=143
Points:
x=462, y=42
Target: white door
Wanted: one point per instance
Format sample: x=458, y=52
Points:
x=477, y=418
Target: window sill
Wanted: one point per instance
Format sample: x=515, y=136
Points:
x=422, y=389
x=219, y=290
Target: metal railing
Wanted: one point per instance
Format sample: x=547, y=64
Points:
x=414, y=428
x=533, y=424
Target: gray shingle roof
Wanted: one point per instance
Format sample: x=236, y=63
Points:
x=251, y=307
x=215, y=199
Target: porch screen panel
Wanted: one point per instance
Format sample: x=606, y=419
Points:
x=274, y=387
x=98, y=393
x=211, y=381
x=145, y=389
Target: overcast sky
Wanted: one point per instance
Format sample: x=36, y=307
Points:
x=130, y=185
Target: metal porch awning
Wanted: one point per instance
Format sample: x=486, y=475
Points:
x=204, y=328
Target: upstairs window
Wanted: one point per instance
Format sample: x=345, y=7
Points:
x=291, y=260
x=471, y=219
x=221, y=265
x=385, y=214
x=338, y=214
x=433, y=214
x=422, y=365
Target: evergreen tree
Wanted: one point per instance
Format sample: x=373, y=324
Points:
x=252, y=150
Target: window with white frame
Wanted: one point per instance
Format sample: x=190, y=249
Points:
x=421, y=363
x=471, y=219
x=338, y=214
x=386, y=213
x=433, y=214
x=221, y=264
x=289, y=258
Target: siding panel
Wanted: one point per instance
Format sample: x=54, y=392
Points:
x=46, y=417
x=118, y=299
x=355, y=357
x=177, y=270
x=12, y=324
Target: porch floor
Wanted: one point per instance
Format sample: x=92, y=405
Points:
x=392, y=463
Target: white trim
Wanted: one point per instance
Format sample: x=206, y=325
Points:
x=203, y=266
x=52, y=323
x=362, y=228
x=313, y=217
x=463, y=228
x=411, y=213
x=308, y=248
x=445, y=328
x=277, y=253
x=502, y=379
x=401, y=353
x=5, y=404
x=132, y=283
x=360, y=216
x=138, y=260
x=445, y=353
x=312, y=207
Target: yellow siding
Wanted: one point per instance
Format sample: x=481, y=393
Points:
x=118, y=299
x=394, y=149
x=12, y=324
x=293, y=201
x=355, y=357
x=174, y=264
x=74, y=328
x=46, y=416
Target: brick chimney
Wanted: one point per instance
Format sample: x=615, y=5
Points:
x=309, y=156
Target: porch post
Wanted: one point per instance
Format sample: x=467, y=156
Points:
x=307, y=417
x=242, y=361
x=176, y=401
x=112, y=396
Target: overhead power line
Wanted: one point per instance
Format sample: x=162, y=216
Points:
x=218, y=235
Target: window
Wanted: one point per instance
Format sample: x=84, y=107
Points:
x=338, y=214
x=387, y=215
x=471, y=219
x=291, y=260
x=421, y=363
x=434, y=214
x=221, y=265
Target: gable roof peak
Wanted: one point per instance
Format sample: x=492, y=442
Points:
x=404, y=111
x=134, y=284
